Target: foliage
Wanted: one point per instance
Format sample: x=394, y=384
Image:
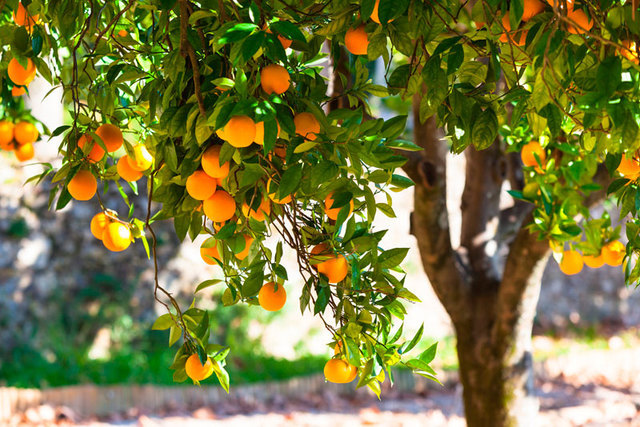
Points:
x=183, y=76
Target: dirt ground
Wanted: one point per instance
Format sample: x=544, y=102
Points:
x=590, y=388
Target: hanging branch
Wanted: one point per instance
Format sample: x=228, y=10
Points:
x=186, y=50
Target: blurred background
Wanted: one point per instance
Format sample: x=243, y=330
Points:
x=74, y=316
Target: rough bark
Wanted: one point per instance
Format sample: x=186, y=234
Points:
x=491, y=304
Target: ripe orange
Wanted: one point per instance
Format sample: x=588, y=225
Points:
x=18, y=91
x=240, y=131
x=111, y=136
x=339, y=371
x=272, y=194
x=260, y=133
x=356, y=40
x=248, y=240
x=196, y=370
x=19, y=75
x=25, y=133
x=335, y=267
x=98, y=223
x=306, y=125
x=285, y=42
x=630, y=51
x=583, y=23
x=594, y=261
x=211, y=163
x=6, y=134
x=528, y=153
x=374, y=14
x=201, y=186
x=219, y=207
x=83, y=185
x=629, y=167
x=332, y=213
x=142, y=159
x=518, y=37
x=125, y=170
x=531, y=9
x=571, y=263
x=25, y=152
x=613, y=253
x=116, y=237
x=23, y=19
x=123, y=33
x=261, y=214
x=96, y=153
x=212, y=252
x=274, y=78
x=270, y=298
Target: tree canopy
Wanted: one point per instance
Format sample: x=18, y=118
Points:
x=226, y=111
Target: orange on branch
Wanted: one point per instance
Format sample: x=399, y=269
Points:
x=374, y=14
x=582, y=23
x=201, y=186
x=630, y=51
x=356, y=40
x=96, y=153
x=220, y=207
x=25, y=152
x=248, y=240
x=259, y=139
x=272, y=194
x=98, y=223
x=141, y=160
x=25, y=133
x=196, y=370
x=211, y=163
x=19, y=75
x=339, y=371
x=240, y=131
x=22, y=18
x=116, y=237
x=261, y=213
x=212, y=252
x=270, y=298
x=111, y=136
x=18, y=91
x=332, y=212
x=613, y=253
x=274, y=78
x=571, y=262
x=335, y=267
x=306, y=125
x=517, y=37
x=594, y=261
x=529, y=153
x=83, y=185
x=125, y=170
x=531, y=9
x=6, y=134
x=629, y=167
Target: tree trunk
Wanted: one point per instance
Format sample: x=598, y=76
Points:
x=497, y=371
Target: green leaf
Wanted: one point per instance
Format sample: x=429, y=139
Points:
x=163, y=322
x=174, y=335
x=429, y=354
x=223, y=376
x=392, y=257
x=485, y=129
x=290, y=180
x=206, y=284
x=414, y=340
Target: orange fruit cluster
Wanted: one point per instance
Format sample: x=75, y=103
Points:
x=115, y=235
x=19, y=138
x=611, y=253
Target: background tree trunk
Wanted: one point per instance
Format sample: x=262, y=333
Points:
x=490, y=285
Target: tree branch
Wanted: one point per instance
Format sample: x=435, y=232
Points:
x=187, y=51
x=430, y=221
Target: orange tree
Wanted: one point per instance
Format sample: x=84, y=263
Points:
x=218, y=109
x=224, y=109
